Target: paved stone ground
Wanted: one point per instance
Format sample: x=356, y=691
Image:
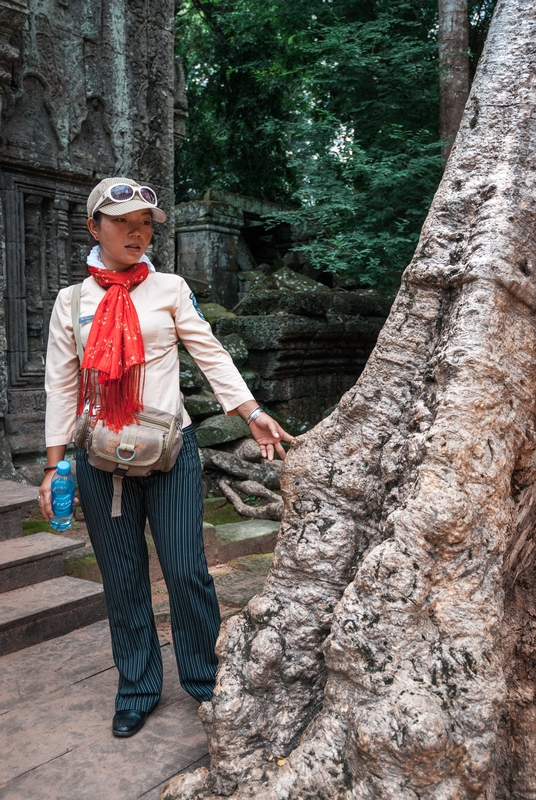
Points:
x=56, y=707
x=57, y=701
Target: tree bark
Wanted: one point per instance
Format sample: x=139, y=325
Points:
x=391, y=654
x=453, y=41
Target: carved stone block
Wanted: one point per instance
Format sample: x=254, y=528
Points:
x=87, y=90
x=207, y=246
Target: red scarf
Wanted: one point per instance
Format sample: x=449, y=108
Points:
x=114, y=352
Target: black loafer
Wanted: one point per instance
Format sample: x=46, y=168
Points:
x=128, y=722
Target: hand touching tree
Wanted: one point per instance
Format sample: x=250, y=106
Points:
x=268, y=434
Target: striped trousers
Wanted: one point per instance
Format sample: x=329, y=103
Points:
x=173, y=503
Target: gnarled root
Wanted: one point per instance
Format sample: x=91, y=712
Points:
x=267, y=473
x=273, y=510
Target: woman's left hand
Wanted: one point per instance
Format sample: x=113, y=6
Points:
x=269, y=435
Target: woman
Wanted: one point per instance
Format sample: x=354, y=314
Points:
x=136, y=317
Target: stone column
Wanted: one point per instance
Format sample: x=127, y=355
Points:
x=207, y=246
x=13, y=15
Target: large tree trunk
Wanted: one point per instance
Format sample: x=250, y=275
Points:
x=390, y=655
x=453, y=41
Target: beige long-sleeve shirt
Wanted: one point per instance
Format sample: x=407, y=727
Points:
x=166, y=313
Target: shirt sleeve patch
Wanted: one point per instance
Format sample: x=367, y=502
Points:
x=195, y=304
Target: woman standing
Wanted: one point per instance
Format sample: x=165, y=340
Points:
x=130, y=320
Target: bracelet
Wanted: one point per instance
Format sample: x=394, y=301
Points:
x=254, y=414
x=49, y=469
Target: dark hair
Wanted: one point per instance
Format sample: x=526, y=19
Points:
x=97, y=216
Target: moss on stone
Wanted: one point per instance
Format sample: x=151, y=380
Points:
x=212, y=312
x=213, y=504
x=252, y=378
x=31, y=526
x=222, y=516
x=220, y=429
x=200, y=406
x=235, y=346
x=259, y=563
x=85, y=568
x=190, y=375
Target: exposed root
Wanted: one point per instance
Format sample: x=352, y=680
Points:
x=267, y=473
x=273, y=510
x=248, y=450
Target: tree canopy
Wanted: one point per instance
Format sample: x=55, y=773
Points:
x=329, y=108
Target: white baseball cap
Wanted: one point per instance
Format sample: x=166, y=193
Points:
x=114, y=208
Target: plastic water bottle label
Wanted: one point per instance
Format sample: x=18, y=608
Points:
x=62, y=505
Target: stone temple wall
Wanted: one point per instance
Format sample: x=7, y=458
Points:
x=88, y=88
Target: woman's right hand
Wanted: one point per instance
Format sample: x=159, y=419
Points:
x=45, y=496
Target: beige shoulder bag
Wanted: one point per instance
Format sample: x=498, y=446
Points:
x=136, y=450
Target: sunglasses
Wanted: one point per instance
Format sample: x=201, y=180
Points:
x=122, y=192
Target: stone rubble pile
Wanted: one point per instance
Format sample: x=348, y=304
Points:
x=299, y=343
x=299, y=348
x=216, y=431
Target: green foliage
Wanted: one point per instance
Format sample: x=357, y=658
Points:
x=240, y=99
x=363, y=216
x=330, y=108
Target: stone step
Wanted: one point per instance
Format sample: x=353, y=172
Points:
x=13, y=497
x=48, y=609
x=57, y=703
x=223, y=543
x=33, y=559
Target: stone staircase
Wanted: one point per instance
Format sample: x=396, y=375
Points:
x=37, y=600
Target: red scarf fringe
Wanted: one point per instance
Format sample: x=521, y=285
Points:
x=113, y=368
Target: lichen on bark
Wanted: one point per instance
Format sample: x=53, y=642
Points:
x=389, y=656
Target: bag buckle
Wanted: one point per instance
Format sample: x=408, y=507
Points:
x=128, y=448
x=120, y=471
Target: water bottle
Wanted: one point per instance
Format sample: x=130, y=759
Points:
x=62, y=497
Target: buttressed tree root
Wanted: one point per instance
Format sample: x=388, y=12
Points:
x=391, y=653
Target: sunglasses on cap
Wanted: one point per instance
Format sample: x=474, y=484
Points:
x=122, y=192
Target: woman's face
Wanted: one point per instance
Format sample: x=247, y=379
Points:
x=123, y=240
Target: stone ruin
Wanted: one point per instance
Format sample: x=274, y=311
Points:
x=91, y=88
x=88, y=88
x=300, y=342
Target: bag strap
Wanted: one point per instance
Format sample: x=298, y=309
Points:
x=117, y=481
x=75, y=316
